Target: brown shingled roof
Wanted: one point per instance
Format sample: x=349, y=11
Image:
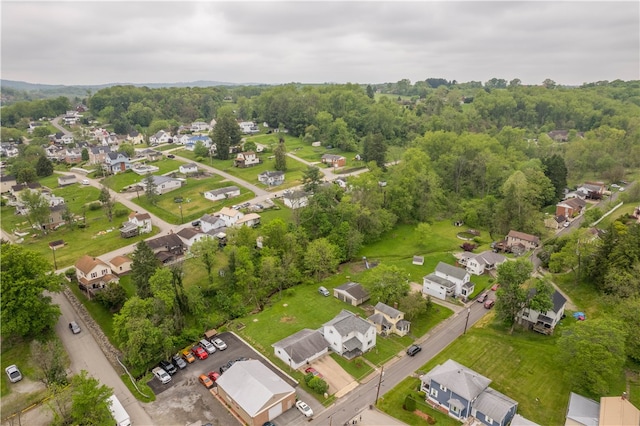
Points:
x=86, y=263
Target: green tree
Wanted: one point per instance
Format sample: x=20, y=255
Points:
x=511, y=296
x=89, y=399
x=387, y=284
x=226, y=133
x=627, y=311
x=374, y=149
x=128, y=149
x=593, y=353
x=108, y=203
x=370, y=91
x=84, y=154
x=38, y=209
x=321, y=258
x=26, y=174
x=26, y=311
x=205, y=250
x=311, y=179
x=200, y=150
x=249, y=146
x=143, y=266
x=280, y=154
x=150, y=190
x=424, y=233
x=413, y=304
x=44, y=167
x=556, y=170
x=112, y=296
x=52, y=362
x=542, y=299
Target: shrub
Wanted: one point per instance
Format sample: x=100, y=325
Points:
x=95, y=206
x=468, y=246
x=121, y=212
x=409, y=403
x=318, y=385
x=71, y=272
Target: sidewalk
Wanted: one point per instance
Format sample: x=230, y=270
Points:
x=374, y=417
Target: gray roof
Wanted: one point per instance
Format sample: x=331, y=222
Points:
x=490, y=258
x=66, y=177
x=253, y=386
x=354, y=290
x=168, y=241
x=189, y=165
x=388, y=310
x=128, y=226
x=224, y=190
x=558, y=299
x=272, y=174
x=159, y=180
x=439, y=280
x=295, y=195
x=583, y=410
x=450, y=270
x=209, y=218
x=494, y=404
x=303, y=345
x=518, y=420
x=346, y=322
x=379, y=319
x=461, y=380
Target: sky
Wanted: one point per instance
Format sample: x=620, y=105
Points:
x=275, y=42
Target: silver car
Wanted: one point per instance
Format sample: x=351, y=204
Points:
x=74, y=327
x=13, y=373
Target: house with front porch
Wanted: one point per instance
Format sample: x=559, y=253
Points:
x=271, y=178
x=464, y=394
x=167, y=248
x=543, y=322
x=93, y=274
x=478, y=264
x=349, y=335
x=116, y=162
x=448, y=280
x=246, y=159
x=388, y=320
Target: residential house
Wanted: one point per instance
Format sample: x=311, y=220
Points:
x=160, y=137
x=249, y=219
x=190, y=236
x=555, y=222
x=71, y=156
x=71, y=118
x=189, y=168
x=56, y=216
x=120, y=265
x=167, y=247
x=163, y=184
x=6, y=182
x=389, y=320
x=200, y=126
x=271, y=178
x=582, y=411
x=349, y=335
x=341, y=182
x=8, y=150
x=222, y=193
x=478, y=264
x=128, y=230
x=301, y=348
x=93, y=274
x=138, y=223
x=351, y=293
x=181, y=139
x=31, y=186
x=254, y=392
x=591, y=190
x=65, y=180
x=248, y=127
x=67, y=139
x=570, y=208
x=151, y=154
x=98, y=154
x=448, y=280
x=209, y=223
x=190, y=145
x=232, y=217
x=296, y=199
x=334, y=160
x=518, y=420
x=54, y=152
x=117, y=162
x=618, y=411
x=463, y=393
x=519, y=242
x=543, y=322
x=246, y=159
x=134, y=137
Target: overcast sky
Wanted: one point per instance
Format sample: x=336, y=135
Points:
x=88, y=42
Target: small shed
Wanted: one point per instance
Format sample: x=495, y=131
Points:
x=418, y=260
x=351, y=293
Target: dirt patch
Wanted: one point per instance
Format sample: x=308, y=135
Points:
x=287, y=320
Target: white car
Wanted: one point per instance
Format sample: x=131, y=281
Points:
x=219, y=343
x=162, y=375
x=304, y=408
x=207, y=346
x=85, y=181
x=14, y=374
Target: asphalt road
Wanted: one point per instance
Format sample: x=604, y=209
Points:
x=85, y=354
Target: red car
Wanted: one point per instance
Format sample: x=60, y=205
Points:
x=489, y=303
x=199, y=352
x=495, y=287
x=214, y=375
x=311, y=370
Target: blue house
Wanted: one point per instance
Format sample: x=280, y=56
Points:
x=463, y=393
x=193, y=140
x=116, y=162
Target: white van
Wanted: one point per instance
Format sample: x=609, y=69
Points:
x=207, y=346
x=118, y=412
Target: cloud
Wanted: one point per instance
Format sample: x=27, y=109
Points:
x=276, y=42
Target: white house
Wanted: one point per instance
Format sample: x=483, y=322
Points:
x=271, y=178
x=477, y=264
x=222, y=193
x=64, y=180
x=349, y=335
x=448, y=280
x=296, y=199
x=93, y=274
x=301, y=348
x=142, y=221
x=200, y=126
x=249, y=219
x=160, y=137
x=163, y=184
x=67, y=139
x=544, y=322
x=248, y=127
x=191, y=236
x=182, y=139
x=246, y=159
x=210, y=223
x=188, y=168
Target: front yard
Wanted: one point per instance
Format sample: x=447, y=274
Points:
x=120, y=181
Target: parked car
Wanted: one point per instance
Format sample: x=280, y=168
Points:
x=219, y=344
x=214, y=375
x=224, y=368
x=207, y=346
x=482, y=297
x=304, y=408
x=323, y=291
x=495, y=287
x=195, y=223
x=199, y=352
x=188, y=356
x=566, y=224
x=74, y=327
x=179, y=362
x=13, y=373
x=161, y=375
x=168, y=367
x=413, y=349
x=489, y=303
x=311, y=370
x=85, y=181
x=206, y=381
x=171, y=156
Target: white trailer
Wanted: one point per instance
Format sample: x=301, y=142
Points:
x=118, y=412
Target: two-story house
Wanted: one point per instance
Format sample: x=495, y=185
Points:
x=160, y=137
x=271, y=178
x=246, y=159
x=93, y=274
x=543, y=322
x=134, y=137
x=142, y=221
x=296, y=199
x=519, y=242
x=211, y=224
x=448, y=280
x=462, y=393
x=478, y=264
x=349, y=335
x=167, y=247
x=116, y=162
x=570, y=208
x=387, y=320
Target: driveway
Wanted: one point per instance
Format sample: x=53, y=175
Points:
x=333, y=374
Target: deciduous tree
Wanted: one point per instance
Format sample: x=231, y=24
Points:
x=143, y=266
x=321, y=258
x=108, y=203
x=89, y=399
x=44, y=167
x=511, y=296
x=280, y=153
x=150, y=189
x=226, y=133
x=205, y=250
x=312, y=178
x=38, y=208
x=387, y=284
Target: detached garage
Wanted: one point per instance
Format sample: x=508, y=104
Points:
x=254, y=392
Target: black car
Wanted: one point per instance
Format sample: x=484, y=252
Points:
x=195, y=223
x=178, y=362
x=171, y=156
x=224, y=368
x=168, y=367
x=413, y=349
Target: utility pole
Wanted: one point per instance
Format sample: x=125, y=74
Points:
x=181, y=217
x=379, y=384
x=466, y=323
x=55, y=264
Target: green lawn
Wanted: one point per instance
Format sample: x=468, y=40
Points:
x=121, y=180
x=194, y=204
x=357, y=368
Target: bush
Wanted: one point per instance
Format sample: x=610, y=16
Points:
x=70, y=273
x=409, y=403
x=121, y=212
x=318, y=385
x=95, y=206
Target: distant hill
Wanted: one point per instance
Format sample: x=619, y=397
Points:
x=26, y=86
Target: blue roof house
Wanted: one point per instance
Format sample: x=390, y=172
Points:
x=465, y=394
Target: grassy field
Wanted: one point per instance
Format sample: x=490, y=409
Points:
x=121, y=180
x=194, y=204
x=357, y=368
